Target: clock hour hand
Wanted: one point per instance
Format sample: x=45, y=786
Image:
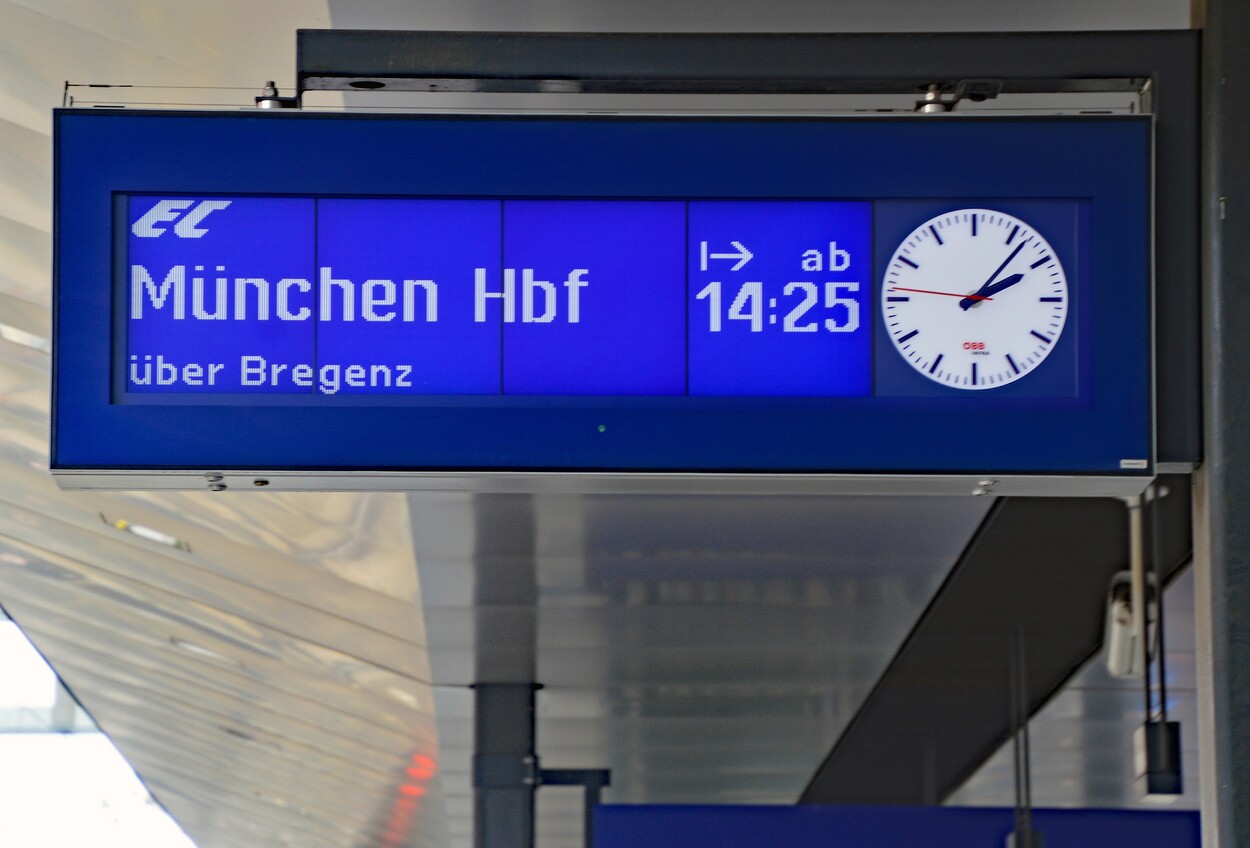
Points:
x=1000, y=268
x=968, y=302
x=989, y=290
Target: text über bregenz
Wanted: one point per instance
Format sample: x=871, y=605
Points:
x=187, y=293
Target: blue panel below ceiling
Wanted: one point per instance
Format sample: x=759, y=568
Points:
x=646, y=826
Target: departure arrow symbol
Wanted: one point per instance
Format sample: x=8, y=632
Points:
x=743, y=255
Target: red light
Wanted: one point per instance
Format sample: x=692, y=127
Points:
x=422, y=767
x=405, y=807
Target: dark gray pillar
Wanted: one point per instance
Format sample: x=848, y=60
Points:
x=505, y=769
x=1222, y=485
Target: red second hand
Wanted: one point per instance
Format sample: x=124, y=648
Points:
x=948, y=294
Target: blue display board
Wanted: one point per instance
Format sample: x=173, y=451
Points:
x=847, y=826
x=322, y=296
x=453, y=293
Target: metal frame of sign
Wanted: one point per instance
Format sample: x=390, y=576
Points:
x=943, y=445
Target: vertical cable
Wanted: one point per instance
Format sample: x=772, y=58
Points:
x=1026, y=770
x=1140, y=602
x=1156, y=556
x=1018, y=688
x=1013, y=692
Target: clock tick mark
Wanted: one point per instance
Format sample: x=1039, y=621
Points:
x=907, y=261
x=909, y=335
x=933, y=367
x=933, y=230
x=1040, y=336
x=1013, y=233
x=1012, y=363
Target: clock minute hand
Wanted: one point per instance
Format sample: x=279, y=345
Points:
x=989, y=290
x=1000, y=268
x=966, y=303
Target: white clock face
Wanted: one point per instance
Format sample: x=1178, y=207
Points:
x=974, y=299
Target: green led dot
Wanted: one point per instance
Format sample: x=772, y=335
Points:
x=603, y=428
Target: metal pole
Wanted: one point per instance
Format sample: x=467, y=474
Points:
x=1024, y=836
x=505, y=768
x=1222, y=484
x=1159, y=648
x=1137, y=573
x=593, y=795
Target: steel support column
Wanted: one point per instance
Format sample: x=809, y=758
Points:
x=505, y=767
x=1222, y=492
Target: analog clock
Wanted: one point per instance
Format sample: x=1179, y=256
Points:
x=974, y=299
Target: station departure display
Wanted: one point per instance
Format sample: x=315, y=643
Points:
x=317, y=296
x=516, y=297
x=714, y=295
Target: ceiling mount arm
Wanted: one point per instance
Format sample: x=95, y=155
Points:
x=973, y=65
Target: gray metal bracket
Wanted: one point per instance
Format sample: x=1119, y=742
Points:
x=984, y=64
x=504, y=771
x=592, y=781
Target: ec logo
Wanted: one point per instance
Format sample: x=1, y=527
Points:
x=166, y=211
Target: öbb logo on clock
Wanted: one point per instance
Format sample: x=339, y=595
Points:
x=974, y=299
